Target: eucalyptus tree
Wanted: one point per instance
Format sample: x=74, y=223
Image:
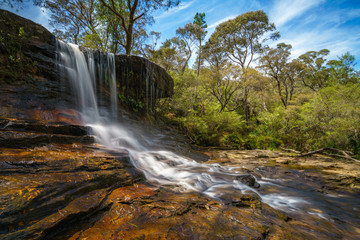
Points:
x=225, y=89
x=314, y=74
x=215, y=57
x=172, y=55
x=133, y=14
x=243, y=37
x=200, y=33
x=221, y=84
x=75, y=19
x=186, y=41
x=276, y=63
x=147, y=49
x=342, y=70
x=227, y=80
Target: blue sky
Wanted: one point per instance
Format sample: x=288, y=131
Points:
x=305, y=24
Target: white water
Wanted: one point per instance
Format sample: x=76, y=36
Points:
x=160, y=167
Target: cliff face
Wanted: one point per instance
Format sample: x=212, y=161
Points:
x=30, y=82
x=27, y=68
x=142, y=81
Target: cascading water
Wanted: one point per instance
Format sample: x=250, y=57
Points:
x=88, y=78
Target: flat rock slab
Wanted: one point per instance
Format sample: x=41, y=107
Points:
x=47, y=189
x=26, y=134
x=143, y=212
x=80, y=191
x=49, y=128
x=329, y=173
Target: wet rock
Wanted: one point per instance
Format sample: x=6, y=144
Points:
x=52, y=192
x=142, y=80
x=39, y=45
x=78, y=191
x=248, y=180
x=11, y=139
x=48, y=189
x=237, y=199
x=143, y=212
x=34, y=126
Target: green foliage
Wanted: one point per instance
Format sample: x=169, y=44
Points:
x=241, y=38
x=275, y=61
x=314, y=73
x=331, y=118
x=342, y=70
x=227, y=107
x=283, y=126
x=194, y=111
x=199, y=19
x=209, y=129
x=166, y=56
x=356, y=146
x=92, y=41
x=17, y=65
x=107, y=25
x=135, y=105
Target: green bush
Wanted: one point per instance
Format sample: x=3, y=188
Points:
x=211, y=129
x=331, y=118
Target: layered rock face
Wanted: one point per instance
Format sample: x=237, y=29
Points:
x=28, y=78
x=31, y=84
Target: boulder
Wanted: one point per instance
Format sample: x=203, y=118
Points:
x=248, y=180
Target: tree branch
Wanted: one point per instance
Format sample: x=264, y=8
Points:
x=346, y=154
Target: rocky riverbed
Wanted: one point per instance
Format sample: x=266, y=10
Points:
x=58, y=184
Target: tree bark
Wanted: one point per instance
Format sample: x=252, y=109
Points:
x=199, y=59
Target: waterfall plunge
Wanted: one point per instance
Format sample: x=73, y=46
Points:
x=88, y=78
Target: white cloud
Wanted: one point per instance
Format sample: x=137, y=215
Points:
x=221, y=21
x=318, y=39
x=172, y=11
x=332, y=29
x=286, y=10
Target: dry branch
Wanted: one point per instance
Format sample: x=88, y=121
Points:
x=345, y=154
x=321, y=150
x=342, y=156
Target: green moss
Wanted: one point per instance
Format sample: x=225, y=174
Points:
x=15, y=65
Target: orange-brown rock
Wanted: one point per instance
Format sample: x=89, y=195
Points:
x=142, y=212
x=76, y=190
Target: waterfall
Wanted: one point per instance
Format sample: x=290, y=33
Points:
x=90, y=75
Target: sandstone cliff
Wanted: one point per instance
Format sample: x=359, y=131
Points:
x=32, y=89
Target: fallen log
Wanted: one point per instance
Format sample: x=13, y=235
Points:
x=345, y=154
